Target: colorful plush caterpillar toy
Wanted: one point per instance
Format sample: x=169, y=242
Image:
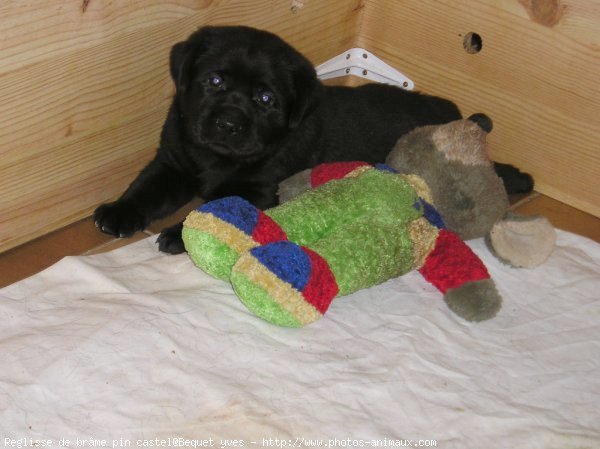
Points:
x=350, y=227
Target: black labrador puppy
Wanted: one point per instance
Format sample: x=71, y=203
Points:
x=248, y=112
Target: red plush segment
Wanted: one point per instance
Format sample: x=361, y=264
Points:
x=266, y=230
x=452, y=263
x=321, y=287
x=335, y=170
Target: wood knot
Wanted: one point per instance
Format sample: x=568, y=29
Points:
x=544, y=12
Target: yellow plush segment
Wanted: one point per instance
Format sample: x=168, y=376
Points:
x=359, y=171
x=281, y=292
x=424, y=235
x=237, y=240
x=420, y=187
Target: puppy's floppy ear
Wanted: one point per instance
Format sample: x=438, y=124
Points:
x=184, y=54
x=180, y=64
x=307, y=90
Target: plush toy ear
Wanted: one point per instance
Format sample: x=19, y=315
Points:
x=483, y=120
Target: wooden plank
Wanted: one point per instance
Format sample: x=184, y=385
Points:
x=84, y=87
x=536, y=75
x=39, y=29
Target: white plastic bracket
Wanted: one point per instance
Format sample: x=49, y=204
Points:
x=362, y=63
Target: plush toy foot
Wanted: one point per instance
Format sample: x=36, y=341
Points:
x=462, y=277
x=522, y=241
x=474, y=301
x=284, y=283
x=217, y=233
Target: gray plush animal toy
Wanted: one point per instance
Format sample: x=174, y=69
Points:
x=453, y=160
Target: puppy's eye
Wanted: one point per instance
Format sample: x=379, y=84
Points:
x=215, y=80
x=265, y=97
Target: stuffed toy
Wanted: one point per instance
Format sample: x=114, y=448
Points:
x=453, y=160
x=346, y=226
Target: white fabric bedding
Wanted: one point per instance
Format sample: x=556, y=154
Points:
x=146, y=349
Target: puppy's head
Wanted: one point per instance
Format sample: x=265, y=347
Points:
x=241, y=90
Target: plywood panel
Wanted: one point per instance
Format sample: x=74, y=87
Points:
x=84, y=89
x=84, y=85
x=536, y=75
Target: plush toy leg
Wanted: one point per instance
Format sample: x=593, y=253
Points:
x=291, y=285
x=463, y=279
x=318, y=212
x=321, y=174
x=219, y=231
x=311, y=178
x=284, y=283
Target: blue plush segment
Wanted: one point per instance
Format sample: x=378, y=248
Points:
x=430, y=213
x=234, y=210
x=286, y=260
x=385, y=167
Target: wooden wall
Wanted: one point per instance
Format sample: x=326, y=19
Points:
x=84, y=89
x=84, y=85
x=537, y=75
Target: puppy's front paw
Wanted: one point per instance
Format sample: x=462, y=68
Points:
x=170, y=241
x=119, y=219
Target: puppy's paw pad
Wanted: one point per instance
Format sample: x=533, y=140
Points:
x=169, y=241
x=118, y=219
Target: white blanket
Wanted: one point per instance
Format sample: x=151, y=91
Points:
x=143, y=348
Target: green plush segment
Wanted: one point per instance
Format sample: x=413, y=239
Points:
x=358, y=225
x=209, y=253
x=367, y=252
x=317, y=212
x=258, y=301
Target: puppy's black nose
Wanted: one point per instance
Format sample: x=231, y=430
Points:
x=229, y=121
x=228, y=126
